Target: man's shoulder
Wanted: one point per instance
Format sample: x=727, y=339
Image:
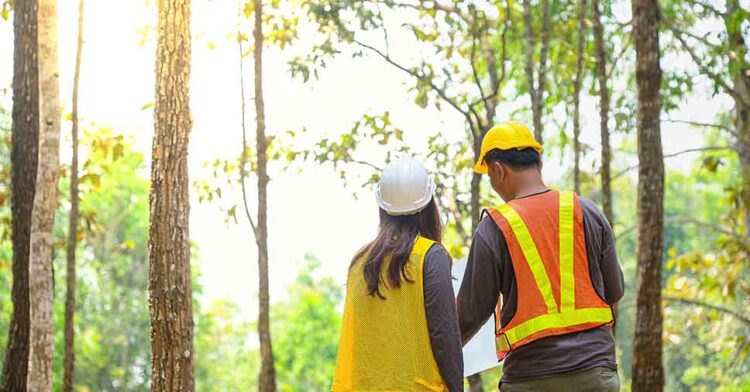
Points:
x=487, y=225
x=587, y=203
x=592, y=213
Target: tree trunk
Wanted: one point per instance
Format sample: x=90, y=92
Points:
x=742, y=127
x=741, y=96
x=267, y=379
x=537, y=84
x=542, y=75
x=170, y=286
x=475, y=381
x=476, y=187
x=648, y=370
x=42, y=333
x=23, y=158
x=601, y=68
x=577, y=96
x=70, y=293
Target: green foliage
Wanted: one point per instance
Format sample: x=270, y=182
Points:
x=462, y=54
x=711, y=272
x=6, y=252
x=226, y=358
x=306, y=331
x=6, y=9
x=112, y=320
x=280, y=24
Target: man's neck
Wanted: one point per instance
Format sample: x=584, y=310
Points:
x=530, y=186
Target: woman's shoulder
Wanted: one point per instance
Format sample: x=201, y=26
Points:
x=438, y=254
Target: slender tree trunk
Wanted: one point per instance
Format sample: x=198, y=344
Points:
x=741, y=96
x=648, y=370
x=475, y=380
x=70, y=293
x=542, y=74
x=42, y=334
x=537, y=84
x=601, y=69
x=476, y=187
x=577, y=96
x=23, y=158
x=267, y=379
x=170, y=286
x=742, y=127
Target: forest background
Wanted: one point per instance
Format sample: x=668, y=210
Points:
x=347, y=86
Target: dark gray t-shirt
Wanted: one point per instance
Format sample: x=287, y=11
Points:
x=489, y=272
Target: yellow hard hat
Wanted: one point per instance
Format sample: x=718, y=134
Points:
x=504, y=136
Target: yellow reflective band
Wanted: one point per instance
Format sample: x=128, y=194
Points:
x=567, y=279
x=558, y=320
x=531, y=254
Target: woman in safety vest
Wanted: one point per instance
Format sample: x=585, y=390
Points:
x=400, y=331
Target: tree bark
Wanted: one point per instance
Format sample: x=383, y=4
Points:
x=741, y=97
x=70, y=293
x=42, y=333
x=742, y=127
x=648, y=370
x=601, y=68
x=267, y=379
x=476, y=187
x=537, y=84
x=577, y=96
x=24, y=159
x=170, y=286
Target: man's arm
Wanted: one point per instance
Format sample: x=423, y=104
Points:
x=614, y=282
x=478, y=295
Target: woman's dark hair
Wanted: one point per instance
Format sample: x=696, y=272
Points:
x=517, y=159
x=395, y=239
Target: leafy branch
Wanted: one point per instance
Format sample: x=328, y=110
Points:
x=676, y=154
x=702, y=67
x=243, y=156
x=689, y=301
x=423, y=78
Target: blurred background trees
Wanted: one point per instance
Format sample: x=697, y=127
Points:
x=480, y=61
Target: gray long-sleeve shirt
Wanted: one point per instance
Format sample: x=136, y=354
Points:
x=489, y=272
x=440, y=306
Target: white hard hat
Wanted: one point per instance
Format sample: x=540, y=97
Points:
x=405, y=187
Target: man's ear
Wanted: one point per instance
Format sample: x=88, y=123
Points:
x=499, y=170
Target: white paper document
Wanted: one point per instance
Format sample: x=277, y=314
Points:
x=479, y=353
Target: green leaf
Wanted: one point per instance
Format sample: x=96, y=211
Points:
x=248, y=10
x=92, y=178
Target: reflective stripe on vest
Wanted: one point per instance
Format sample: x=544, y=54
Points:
x=559, y=318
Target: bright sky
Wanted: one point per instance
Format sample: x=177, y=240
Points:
x=309, y=212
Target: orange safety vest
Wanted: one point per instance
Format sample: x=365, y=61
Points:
x=385, y=344
x=547, y=248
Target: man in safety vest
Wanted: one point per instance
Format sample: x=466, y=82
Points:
x=545, y=264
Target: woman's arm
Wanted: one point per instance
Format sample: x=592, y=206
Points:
x=442, y=321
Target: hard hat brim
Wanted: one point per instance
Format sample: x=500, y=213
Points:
x=481, y=166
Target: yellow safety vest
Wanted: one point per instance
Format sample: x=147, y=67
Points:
x=385, y=344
